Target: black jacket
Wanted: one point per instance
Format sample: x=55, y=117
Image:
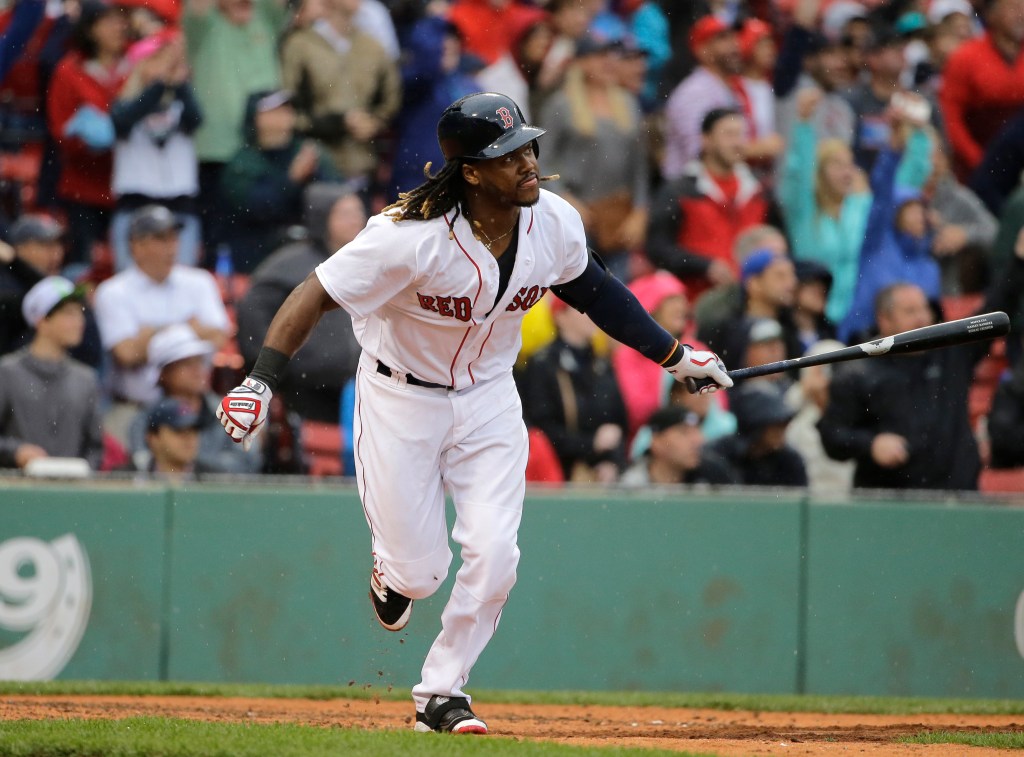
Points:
x=784, y=467
x=595, y=396
x=1006, y=421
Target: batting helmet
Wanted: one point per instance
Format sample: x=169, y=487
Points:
x=483, y=125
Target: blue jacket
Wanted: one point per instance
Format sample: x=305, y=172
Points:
x=426, y=92
x=889, y=256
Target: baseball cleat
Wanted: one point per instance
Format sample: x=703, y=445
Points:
x=391, y=608
x=449, y=715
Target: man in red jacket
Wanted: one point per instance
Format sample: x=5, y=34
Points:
x=696, y=218
x=983, y=84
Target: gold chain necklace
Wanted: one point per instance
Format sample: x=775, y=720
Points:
x=489, y=243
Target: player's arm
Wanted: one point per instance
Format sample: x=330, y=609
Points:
x=616, y=311
x=243, y=411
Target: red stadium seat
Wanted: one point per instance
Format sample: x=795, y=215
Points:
x=321, y=444
x=1002, y=480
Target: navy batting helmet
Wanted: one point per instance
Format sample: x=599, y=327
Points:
x=483, y=125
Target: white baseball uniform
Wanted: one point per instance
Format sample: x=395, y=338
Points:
x=422, y=302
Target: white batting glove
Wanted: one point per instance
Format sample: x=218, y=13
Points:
x=243, y=411
x=700, y=364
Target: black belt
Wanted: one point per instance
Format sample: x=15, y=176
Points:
x=409, y=378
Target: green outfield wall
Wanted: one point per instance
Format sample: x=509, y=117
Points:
x=686, y=591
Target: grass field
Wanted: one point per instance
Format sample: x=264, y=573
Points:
x=65, y=732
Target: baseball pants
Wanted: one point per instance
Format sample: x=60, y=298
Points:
x=413, y=444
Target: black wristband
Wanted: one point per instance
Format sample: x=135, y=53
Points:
x=675, y=356
x=270, y=366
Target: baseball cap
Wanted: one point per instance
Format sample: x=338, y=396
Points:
x=758, y=404
x=763, y=330
x=591, y=44
x=757, y=262
x=910, y=23
x=838, y=15
x=811, y=270
x=48, y=295
x=673, y=415
x=35, y=228
x=752, y=32
x=152, y=220
x=939, y=10
x=273, y=100
x=705, y=30
x=174, y=343
x=173, y=413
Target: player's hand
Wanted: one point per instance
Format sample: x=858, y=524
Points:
x=243, y=412
x=700, y=364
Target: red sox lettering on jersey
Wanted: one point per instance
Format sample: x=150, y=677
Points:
x=423, y=298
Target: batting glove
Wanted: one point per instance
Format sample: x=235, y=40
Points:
x=243, y=411
x=699, y=364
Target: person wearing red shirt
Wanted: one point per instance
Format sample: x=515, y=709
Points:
x=83, y=88
x=487, y=26
x=983, y=85
x=695, y=219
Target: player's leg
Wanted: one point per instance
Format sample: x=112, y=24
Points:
x=485, y=472
x=398, y=434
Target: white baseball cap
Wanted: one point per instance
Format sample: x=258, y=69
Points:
x=47, y=296
x=174, y=343
x=938, y=10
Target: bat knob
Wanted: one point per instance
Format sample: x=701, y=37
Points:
x=691, y=385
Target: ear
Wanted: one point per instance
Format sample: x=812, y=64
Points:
x=470, y=174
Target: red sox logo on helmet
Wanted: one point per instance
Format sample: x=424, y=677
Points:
x=506, y=117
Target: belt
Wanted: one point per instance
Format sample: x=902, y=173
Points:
x=409, y=378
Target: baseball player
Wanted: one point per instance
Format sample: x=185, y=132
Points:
x=437, y=285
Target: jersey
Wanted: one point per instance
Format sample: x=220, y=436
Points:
x=423, y=300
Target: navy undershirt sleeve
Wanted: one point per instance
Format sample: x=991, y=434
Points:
x=617, y=312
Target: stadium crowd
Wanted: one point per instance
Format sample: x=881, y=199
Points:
x=772, y=178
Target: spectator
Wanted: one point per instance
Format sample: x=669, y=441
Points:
x=903, y=419
x=182, y=362
x=870, y=99
x=1006, y=419
x=808, y=398
x=155, y=116
x=1009, y=240
x=431, y=79
x=232, y=48
x=898, y=242
x=172, y=442
x=696, y=218
x=25, y=26
x=769, y=292
x=264, y=181
x=134, y=305
x=663, y=296
x=964, y=228
x=983, y=85
x=515, y=74
x=49, y=403
x=592, y=121
x=808, y=59
x=36, y=251
x=759, y=53
x=374, y=19
x=78, y=111
x=571, y=395
x=826, y=201
x=486, y=26
x=346, y=119
x=758, y=450
x=569, y=21
x=677, y=454
x=710, y=88
x=953, y=17
x=642, y=27
x=813, y=283
x=318, y=372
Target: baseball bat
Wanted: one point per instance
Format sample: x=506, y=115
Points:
x=977, y=328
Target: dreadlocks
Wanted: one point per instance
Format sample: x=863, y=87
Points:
x=436, y=196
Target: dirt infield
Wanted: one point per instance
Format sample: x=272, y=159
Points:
x=681, y=729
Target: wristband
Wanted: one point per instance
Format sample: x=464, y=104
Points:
x=270, y=365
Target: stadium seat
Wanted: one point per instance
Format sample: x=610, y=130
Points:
x=321, y=444
x=1002, y=480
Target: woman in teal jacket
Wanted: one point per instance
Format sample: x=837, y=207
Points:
x=826, y=200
